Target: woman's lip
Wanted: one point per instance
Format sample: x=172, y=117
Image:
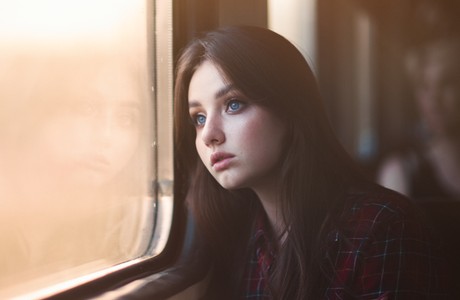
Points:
x=96, y=164
x=221, y=160
x=222, y=164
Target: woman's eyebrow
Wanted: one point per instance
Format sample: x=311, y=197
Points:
x=220, y=93
x=193, y=104
x=224, y=90
x=130, y=104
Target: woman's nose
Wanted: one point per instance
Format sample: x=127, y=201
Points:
x=103, y=128
x=213, y=133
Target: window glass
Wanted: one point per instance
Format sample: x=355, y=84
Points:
x=78, y=140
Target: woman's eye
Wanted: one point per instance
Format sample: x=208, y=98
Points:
x=233, y=105
x=84, y=108
x=200, y=120
x=127, y=119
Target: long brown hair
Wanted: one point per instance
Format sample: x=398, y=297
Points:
x=315, y=170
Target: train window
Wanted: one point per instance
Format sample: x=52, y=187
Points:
x=86, y=148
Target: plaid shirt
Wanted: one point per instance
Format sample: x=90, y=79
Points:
x=379, y=250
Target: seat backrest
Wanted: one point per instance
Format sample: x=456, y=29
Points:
x=445, y=218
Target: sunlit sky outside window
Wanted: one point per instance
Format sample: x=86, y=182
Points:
x=57, y=20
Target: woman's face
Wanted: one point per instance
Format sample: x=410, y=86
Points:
x=90, y=136
x=239, y=142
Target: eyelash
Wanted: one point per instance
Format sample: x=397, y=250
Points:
x=233, y=101
x=195, y=117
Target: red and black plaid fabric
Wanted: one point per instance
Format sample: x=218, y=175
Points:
x=380, y=249
x=260, y=262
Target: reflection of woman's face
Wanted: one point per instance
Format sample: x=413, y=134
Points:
x=93, y=134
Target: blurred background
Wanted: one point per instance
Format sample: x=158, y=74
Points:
x=371, y=61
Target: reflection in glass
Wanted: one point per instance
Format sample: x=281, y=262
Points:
x=75, y=161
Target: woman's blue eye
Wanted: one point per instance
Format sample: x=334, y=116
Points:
x=200, y=120
x=233, y=105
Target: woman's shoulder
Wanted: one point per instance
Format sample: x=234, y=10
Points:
x=381, y=245
x=377, y=198
x=378, y=207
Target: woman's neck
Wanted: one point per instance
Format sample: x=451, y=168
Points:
x=270, y=201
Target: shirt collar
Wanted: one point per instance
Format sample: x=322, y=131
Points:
x=262, y=237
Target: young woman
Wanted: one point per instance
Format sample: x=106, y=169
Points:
x=284, y=211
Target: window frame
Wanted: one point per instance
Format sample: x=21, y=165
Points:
x=144, y=267
x=183, y=262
